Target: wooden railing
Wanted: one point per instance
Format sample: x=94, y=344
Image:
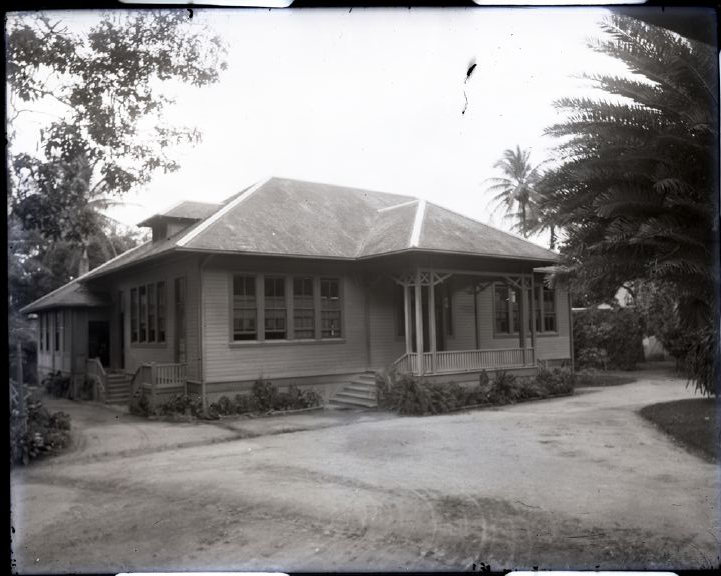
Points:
x=95, y=372
x=154, y=377
x=451, y=361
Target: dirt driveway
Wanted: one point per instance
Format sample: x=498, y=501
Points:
x=580, y=482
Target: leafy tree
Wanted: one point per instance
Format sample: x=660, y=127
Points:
x=515, y=189
x=634, y=193
x=103, y=86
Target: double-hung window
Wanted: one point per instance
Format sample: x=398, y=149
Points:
x=275, y=308
x=545, y=304
x=330, y=308
x=303, y=308
x=245, y=311
x=148, y=313
x=506, y=309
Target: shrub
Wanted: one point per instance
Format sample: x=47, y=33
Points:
x=503, y=389
x=556, y=381
x=56, y=384
x=618, y=331
x=245, y=403
x=44, y=433
x=265, y=394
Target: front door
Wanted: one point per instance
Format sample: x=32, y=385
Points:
x=99, y=341
x=180, y=344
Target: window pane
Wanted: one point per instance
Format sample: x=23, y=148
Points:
x=501, y=308
x=151, y=313
x=330, y=308
x=303, y=308
x=143, y=310
x=244, y=308
x=549, y=310
x=275, y=309
x=161, y=311
x=57, y=331
x=134, y=315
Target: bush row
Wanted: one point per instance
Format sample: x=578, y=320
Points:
x=44, y=433
x=264, y=397
x=413, y=395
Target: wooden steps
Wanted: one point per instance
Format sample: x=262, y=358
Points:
x=117, y=388
x=359, y=393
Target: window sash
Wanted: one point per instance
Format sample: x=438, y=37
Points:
x=142, y=317
x=275, y=318
x=160, y=293
x=330, y=308
x=57, y=331
x=151, y=313
x=134, y=315
x=303, y=308
x=245, y=310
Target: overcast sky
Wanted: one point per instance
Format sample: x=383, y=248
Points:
x=374, y=99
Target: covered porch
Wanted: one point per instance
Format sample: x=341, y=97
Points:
x=426, y=313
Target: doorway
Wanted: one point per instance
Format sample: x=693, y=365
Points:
x=99, y=341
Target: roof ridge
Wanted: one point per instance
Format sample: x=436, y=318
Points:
x=210, y=220
x=512, y=235
x=417, y=224
x=398, y=205
x=375, y=221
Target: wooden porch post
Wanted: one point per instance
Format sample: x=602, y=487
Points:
x=419, y=322
x=407, y=318
x=523, y=316
x=432, y=320
x=533, y=318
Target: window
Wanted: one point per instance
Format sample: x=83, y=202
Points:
x=41, y=331
x=134, y=315
x=275, y=308
x=549, y=310
x=506, y=309
x=303, y=308
x=330, y=312
x=58, y=315
x=47, y=332
x=151, y=313
x=143, y=311
x=244, y=308
x=160, y=292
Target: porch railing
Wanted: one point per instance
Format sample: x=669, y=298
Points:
x=155, y=377
x=95, y=372
x=451, y=361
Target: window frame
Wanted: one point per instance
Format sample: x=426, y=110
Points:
x=254, y=281
x=540, y=311
x=152, y=290
x=509, y=311
x=277, y=281
x=312, y=308
x=290, y=336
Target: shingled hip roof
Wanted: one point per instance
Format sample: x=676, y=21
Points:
x=283, y=217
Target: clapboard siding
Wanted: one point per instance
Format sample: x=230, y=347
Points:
x=227, y=361
x=385, y=315
x=557, y=347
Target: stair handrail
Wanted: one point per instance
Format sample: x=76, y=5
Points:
x=94, y=369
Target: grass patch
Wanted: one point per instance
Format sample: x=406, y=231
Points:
x=598, y=379
x=690, y=422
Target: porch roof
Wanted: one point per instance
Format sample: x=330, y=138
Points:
x=74, y=294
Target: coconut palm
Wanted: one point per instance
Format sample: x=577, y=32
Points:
x=514, y=190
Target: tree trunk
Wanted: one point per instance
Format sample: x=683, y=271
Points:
x=552, y=244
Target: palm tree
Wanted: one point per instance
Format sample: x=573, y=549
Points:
x=514, y=191
x=634, y=193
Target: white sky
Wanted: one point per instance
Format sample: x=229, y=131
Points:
x=373, y=99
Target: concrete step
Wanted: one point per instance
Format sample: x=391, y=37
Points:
x=352, y=402
x=367, y=391
x=350, y=394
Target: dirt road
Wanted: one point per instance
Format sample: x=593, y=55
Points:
x=579, y=482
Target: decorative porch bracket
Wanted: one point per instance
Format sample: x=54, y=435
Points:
x=427, y=278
